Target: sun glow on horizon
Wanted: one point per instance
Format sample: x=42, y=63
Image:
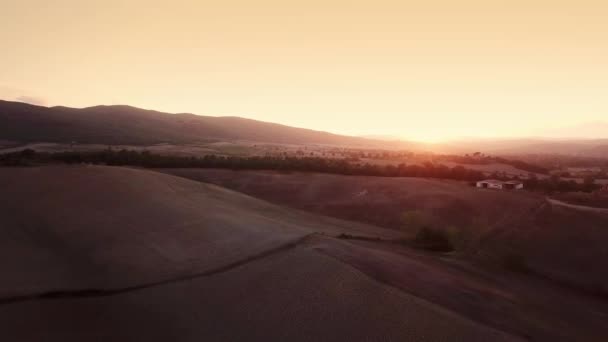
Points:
x=427, y=71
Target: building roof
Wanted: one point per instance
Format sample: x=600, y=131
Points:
x=496, y=181
x=491, y=181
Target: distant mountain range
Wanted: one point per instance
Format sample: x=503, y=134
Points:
x=115, y=125
x=129, y=125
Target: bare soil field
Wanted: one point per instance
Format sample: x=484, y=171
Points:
x=381, y=201
x=64, y=226
x=296, y=295
x=121, y=254
x=488, y=169
x=563, y=244
x=490, y=226
x=524, y=305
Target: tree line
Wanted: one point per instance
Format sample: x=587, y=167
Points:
x=556, y=184
x=481, y=159
x=146, y=159
x=279, y=163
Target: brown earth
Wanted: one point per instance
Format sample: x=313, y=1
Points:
x=497, y=227
x=102, y=253
x=530, y=307
x=122, y=254
x=380, y=201
x=65, y=227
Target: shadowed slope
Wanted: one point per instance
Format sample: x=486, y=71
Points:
x=172, y=259
x=563, y=244
x=298, y=295
x=381, y=201
x=69, y=228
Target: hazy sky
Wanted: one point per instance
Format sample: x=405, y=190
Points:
x=418, y=69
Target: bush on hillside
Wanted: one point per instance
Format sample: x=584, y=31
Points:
x=415, y=220
x=433, y=239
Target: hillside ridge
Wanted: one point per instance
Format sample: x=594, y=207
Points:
x=123, y=124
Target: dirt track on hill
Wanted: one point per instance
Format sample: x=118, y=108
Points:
x=578, y=206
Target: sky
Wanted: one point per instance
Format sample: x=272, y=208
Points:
x=422, y=70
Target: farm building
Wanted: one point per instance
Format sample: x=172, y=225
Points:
x=500, y=185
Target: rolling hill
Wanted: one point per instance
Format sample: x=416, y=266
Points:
x=126, y=125
x=129, y=125
x=130, y=255
x=122, y=254
x=490, y=225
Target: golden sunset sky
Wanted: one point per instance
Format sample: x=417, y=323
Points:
x=428, y=70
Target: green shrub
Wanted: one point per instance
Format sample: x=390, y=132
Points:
x=460, y=238
x=433, y=239
x=414, y=220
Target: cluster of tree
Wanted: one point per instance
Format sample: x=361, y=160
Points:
x=522, y=165
x=481, y=159
x=555, y=184
x=351, y=154
x=280, y=163
x=553, y=161
x=283, y=163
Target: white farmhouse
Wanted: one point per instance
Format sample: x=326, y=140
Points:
x=500, y=185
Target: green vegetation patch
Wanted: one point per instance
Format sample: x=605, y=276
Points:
x=432, y=239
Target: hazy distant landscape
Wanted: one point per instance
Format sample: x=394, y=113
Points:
x=410, y=171
x=125, y=125
x=361, y=214
x=60, y=129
